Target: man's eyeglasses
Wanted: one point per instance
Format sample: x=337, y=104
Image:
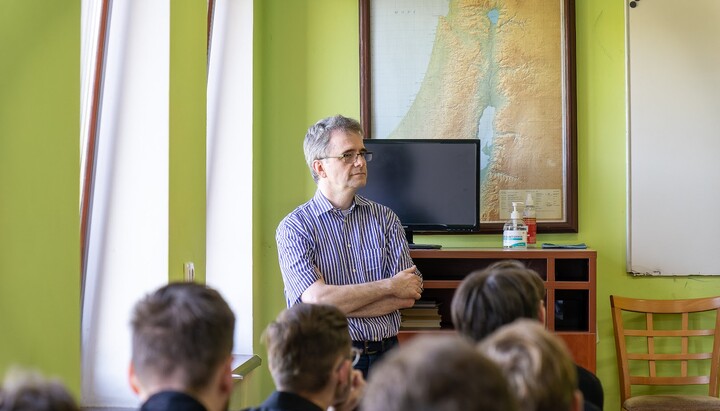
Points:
x=349, y=158
x=355, y=354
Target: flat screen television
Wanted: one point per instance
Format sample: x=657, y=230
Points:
x=432, y=185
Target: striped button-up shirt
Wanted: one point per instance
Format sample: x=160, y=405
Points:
x=365, y=244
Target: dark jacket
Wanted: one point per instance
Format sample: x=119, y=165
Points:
x=285, y=401
x=172, y=401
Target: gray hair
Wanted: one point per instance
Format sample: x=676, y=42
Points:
x=318, y=137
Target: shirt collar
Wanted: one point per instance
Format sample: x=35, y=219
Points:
x=172, y=400
x=288, y=400
x=321, y=205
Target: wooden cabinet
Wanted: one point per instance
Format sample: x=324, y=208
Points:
x=569, y=277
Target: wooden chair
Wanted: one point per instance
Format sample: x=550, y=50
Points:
x=667, y=348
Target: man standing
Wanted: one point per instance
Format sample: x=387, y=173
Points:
x=311, y=359
x=182, y=339
x=345, y=250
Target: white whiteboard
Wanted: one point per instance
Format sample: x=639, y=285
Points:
x=673, y=72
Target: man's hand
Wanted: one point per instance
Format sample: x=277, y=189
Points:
x=370, y=299
x=407, y=284
x=357, y=390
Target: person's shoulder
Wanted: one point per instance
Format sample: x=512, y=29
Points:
x=301, y=213
x=591, y=387
x=285, y=401
x=311, y=209
x=373, y=206
x=172, y=400
x=587, y=376
x=380, y=212
x=304, y=208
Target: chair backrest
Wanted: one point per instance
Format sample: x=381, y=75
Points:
x=666, y=346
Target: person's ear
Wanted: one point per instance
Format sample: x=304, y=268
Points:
x=577, y=404
x=319, y=168
x=226, y=381
x=133, y=380
x=542, y=312
x=343, y=371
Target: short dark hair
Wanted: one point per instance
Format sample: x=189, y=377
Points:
x=437, y=372
x=182, y=331
x=304, y=343
x=498, y=295
x=30, y=391
x=318, y=136
x=536, y=363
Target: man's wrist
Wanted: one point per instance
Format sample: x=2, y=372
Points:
x=387, y=286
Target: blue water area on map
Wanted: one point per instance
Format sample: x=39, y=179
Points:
x=485, y=134
x=494, y=15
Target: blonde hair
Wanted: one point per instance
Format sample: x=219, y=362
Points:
x=536, y=363
x=437, y=372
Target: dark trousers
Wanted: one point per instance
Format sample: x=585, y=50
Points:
x=372, y=352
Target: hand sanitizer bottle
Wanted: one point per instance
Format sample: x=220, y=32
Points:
x=515, y=231
x=530, y=220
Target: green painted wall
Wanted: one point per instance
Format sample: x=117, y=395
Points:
x=39, y=187
x=40, y=171
x=188, y=96
x=281, y=85
x=264, y=303
x=307, y=68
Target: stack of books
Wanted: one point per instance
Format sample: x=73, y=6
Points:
x=424, y=314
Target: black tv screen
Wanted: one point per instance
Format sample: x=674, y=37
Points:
x=432, y=185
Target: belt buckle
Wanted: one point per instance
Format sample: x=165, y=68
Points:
x=367, y=347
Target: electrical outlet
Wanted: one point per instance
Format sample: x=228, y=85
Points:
x=189, y=271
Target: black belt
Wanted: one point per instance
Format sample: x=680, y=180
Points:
x=374, y=347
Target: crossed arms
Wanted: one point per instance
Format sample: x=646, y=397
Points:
x=371, y=299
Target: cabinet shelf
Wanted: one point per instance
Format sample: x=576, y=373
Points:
x=430, y=284
x=569, y=277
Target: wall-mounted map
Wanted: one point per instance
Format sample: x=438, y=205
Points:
x=492, y=70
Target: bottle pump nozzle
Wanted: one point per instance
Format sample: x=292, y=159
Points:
x=515, y=230
x=515, y=214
